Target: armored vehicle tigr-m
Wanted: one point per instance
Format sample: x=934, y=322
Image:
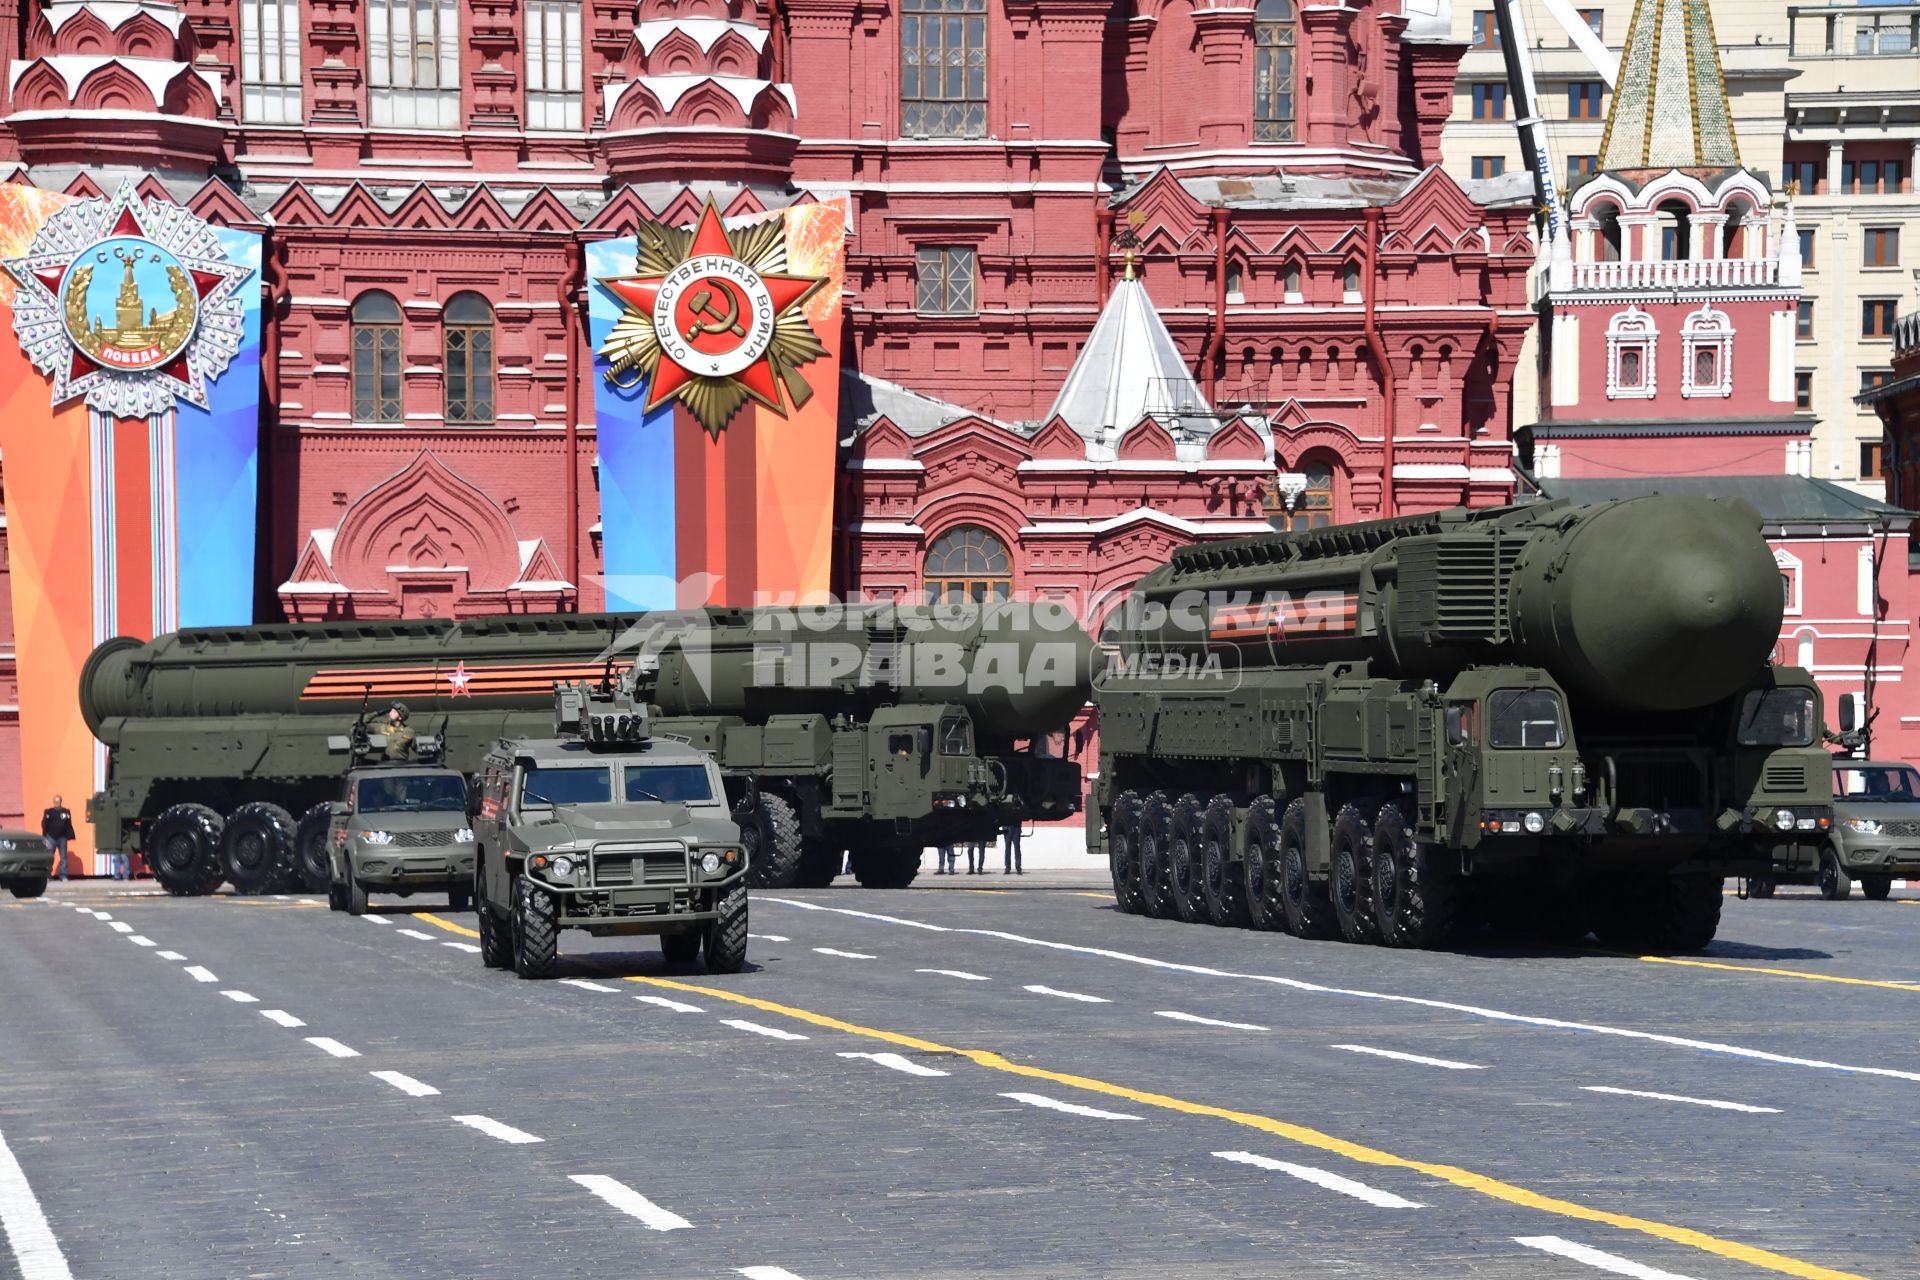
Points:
x=1558, y=716
x=608, y=827
x=1875, y=837
x=871, y=728
x=26, y=861
x=399, y=825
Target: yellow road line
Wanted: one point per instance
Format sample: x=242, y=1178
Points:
x=1777, y=973
x=448, y=925
x=1081, y=893
x=265, y=904
x=1466, y=1179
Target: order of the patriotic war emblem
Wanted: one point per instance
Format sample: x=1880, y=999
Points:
x=130, y=303
x=712, y=318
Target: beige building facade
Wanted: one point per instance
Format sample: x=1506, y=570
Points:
x=1826, y=104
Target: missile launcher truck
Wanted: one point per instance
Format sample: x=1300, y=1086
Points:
x=866, y=730
x=1557, y=716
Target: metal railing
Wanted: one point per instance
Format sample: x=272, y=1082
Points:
x=1679, y=273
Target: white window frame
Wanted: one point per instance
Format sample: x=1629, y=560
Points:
x=270, y=39
x=1712, y=330
x=1632, y=328
x=413, y=63
x=1790, y=568
x=555, y=81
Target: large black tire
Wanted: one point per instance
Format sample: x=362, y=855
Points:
x=355, y=892
x=1759, y=887
x=1687, y=913
x=1184, y=875
x=256, y=847
x=310, y=847
x=1123, y=852
x=1304, y=899
x=496, y=941
x=536, y=939
x=1266, y=909
x=336, y=896
x=821, y=859
x=1876, y=888
x=1415, y=892
x=1221, y=882
x=183, y=848
x=1350, y=882
x=681, y=948
x=27, y=886
x=1156, y=830
x=770, y=834
x=1834, y=882
x=886, y=867
x=459, y=898
x=726, y=941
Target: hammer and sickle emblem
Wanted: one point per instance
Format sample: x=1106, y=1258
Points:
x=715, y=320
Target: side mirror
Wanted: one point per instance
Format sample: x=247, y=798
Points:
x=337, y=809
x=1456, y=726
x=473, y=798
x=1848, y=721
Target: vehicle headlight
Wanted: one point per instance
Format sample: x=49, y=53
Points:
x=563, y=867
x=1783, y=819
x=463, y=836
x=6, y=844
x=377, y=837
x=710, y=864
x=1865, y=826
x=1534, y=823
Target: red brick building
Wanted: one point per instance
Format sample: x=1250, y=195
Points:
x=426, y=173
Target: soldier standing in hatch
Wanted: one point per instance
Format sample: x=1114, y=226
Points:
x=56, y=824
x=399, y=733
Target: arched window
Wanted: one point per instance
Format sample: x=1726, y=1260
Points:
x=1350, y=282
x=967, y=564
x=1290, y=282
x=376, y=358
x=1273, y=103
x=1675, y=222
x=1706, y=339
x=1606, y=237
x=468, y=324
x=1236, y=283
x=1301, y=499
x=1632, y=339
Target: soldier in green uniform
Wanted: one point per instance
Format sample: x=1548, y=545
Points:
x=398, y=732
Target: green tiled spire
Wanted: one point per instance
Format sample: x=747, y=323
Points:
x=1670, y=106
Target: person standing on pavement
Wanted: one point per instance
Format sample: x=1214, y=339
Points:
x=1010, y=847
x=947, y=857
x=976, y=856
x=56, y=824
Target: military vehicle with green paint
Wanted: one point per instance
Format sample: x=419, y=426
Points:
x=1875, y=837
x=26, y=863
x=399, y=824
x=607, y=827
x=856, y=734
x=1551, y=716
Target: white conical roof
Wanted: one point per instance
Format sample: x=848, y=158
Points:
x=1128, y=370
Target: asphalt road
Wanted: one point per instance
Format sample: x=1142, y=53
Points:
x=978, y=1077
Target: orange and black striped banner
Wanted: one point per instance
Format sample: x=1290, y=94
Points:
x=344, y=684
x=1322, y=613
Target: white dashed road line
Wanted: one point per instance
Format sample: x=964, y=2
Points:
x=961, y=974
x=139, y=940
x=169, y=955
x=1321, y=1178
x=35, y=1249
x=282, y=1017
x=767, y=1273
x=631, y=1202
x=494, y=1129
x=1068, y=995
x=328, y=1044
x=376, y=920
x=1716, y=1103
x=845, y=955
x=1197, y=1020
x=405, y=1084
x=777, y=1033
x=1447, y=1064
x=898, y=1063
x=1595, y=1258
x=121, y=927
x=415, y=933
x=584, y=985
x=462, y=946
x=677, y=1006
x=768, y=937
x=200, y=974
x=1071, y=1108
x=241, y=997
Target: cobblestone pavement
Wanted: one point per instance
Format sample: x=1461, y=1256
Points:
x=985, y=1076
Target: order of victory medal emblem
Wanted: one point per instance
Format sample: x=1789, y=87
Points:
x=129, y=303
x=712, y=317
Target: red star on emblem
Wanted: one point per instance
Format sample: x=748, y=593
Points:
x=459, y=679
x=718, y=314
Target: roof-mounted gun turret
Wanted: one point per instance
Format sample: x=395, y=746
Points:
x=605, y=713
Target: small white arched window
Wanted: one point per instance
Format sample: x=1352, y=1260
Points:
x=1631, y=342
x=1706, y=353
